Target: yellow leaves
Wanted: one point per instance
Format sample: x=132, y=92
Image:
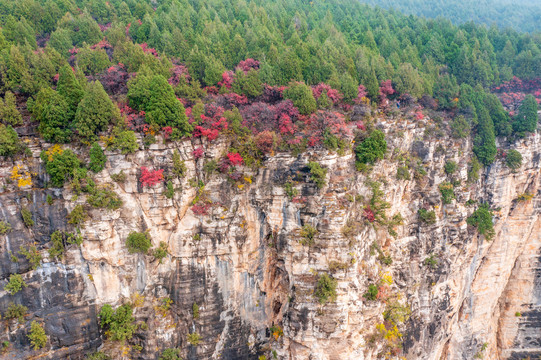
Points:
x=240, y=186
x=387, y=278
x=54, y=150
x=23, y=178
x=248, y=179
x=137, y=300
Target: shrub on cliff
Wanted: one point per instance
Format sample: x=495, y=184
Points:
x=37, y=335
x=139, y=242
x=77, y=216
x=16, y=311
x=97, y=158
x=51, y=110
x=372, y=148
x=526, y=120
x=61, y=165
x=302, y=97
x=95, y=112
x=8, y=110
x=513, y=159
x=170, y=354
x=482, y=220
x=9, y=141
x=428, y=217
x=317, y=174
x=325, y=288
x=15, y=284
x=118, y=324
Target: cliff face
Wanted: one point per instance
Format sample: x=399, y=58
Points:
x=246, y=268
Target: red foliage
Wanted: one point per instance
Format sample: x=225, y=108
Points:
x=369, y=214
x=333, y=94
x=272, y=94
x=265, y=141
x=260, y=116
x=386, y=88
x=73, y=50
x=227, y=79
x=115, y=79
x=135, y=120
x=55, y=78
x=236, y=99
x=103, y=44
x=167, y=131
x=149, y=177
x=286, y=126
x=201, y=209
x=128, y=29
x=178, y=72
x=211, y=123
x=419, y=115
x=235, y=159
x=361, y=93
x=248, y=64
x=198, y=153
x=148, y=50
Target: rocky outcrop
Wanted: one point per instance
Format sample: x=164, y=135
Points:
x=245, y=266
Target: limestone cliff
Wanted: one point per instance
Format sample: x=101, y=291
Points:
x=246, y=267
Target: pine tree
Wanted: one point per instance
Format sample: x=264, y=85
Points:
x=526, y=120
x=302, y=97
x=8, y=110
x=139, y=89
x=248, y=84
x=97, y=158
x=95, y=112
x=9, y=141
x=50, y=110
x=485, y=140
x=69, y=88
x=163, y=107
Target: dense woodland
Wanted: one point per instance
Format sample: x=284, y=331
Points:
x=522, y=15
x=258, y=69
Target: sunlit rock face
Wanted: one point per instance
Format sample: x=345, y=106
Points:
x=245, y=265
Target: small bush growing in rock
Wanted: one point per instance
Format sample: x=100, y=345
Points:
x=513, y=159
x=16, y=311
x=450, y=167
x=170, y=190
x=119, y=324
x=98, y=355
x=97, y=158
x=5, y=227
x=179, y=167
x=372, y=292
x=525, y=197
x=403, y=173
x=473, y=170
x=126, y=142
x=119, y=177
x=32, y=255
x=15, y=284
x=170, y=354
x=447, y=192
x=431, y=261
x=290, y=190
x=104, y=198
x=317, y=174
x=373, y=148
x=308, y=234
x=482, y=220
x=138, y=242
x=325, y=289
x=160, y=252
x=194, y=338
x=195, y=310
x=27, y=217
x=37, y=335
x=428, y=217
x=77, y=216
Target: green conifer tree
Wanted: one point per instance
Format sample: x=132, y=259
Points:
x=68, y=87
x=163, y=107
x=95, y=112
x=50, y=109
x=8, y=110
